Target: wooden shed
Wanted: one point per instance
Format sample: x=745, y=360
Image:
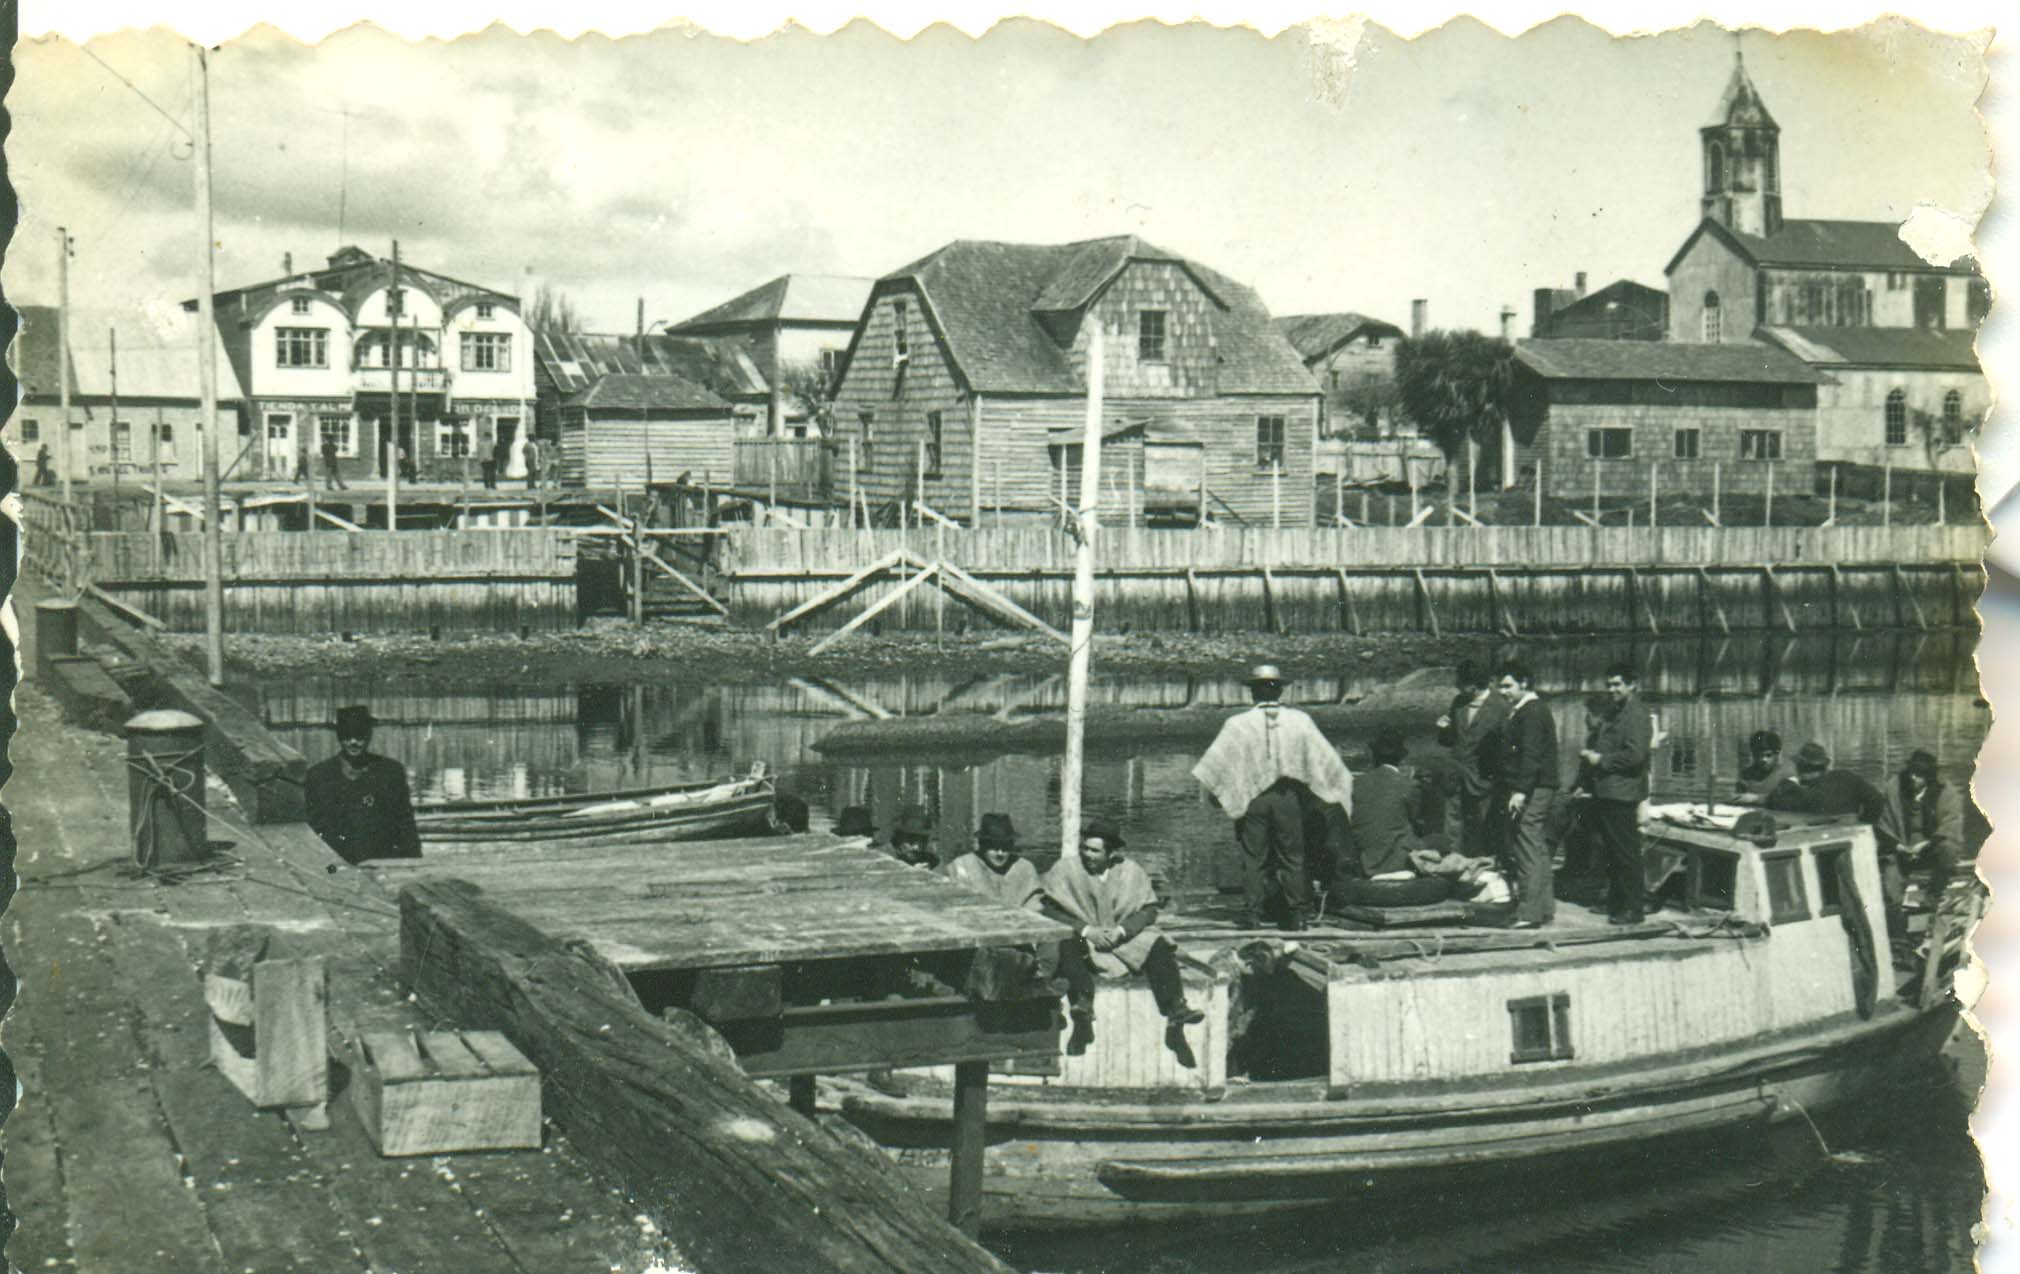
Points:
x=633, y=428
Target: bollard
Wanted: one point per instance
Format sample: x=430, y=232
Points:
x=164, y=788
x=55, y=633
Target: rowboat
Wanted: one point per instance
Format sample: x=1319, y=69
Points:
x=686, y=811
x=1350, y=1067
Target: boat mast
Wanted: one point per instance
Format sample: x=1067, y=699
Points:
x=1080, y=648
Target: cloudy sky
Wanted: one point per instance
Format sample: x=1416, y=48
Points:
x=1336, y=169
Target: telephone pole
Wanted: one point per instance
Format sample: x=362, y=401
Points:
x=112, y=425
x=393, y=396
x=206, y=363
x=63, y=360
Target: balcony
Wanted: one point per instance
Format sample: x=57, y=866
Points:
x=381, y=380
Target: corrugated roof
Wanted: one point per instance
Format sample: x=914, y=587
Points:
x=641, y=392
x=1741, y=106
x=1878, y=347
x=574, y=359
x=804, y=298
x=1742, y=363
x=1869, y=244
x=985, y=299
x=1317, y=335
x=157, y=354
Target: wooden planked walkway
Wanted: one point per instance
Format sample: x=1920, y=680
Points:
x=128, y=1151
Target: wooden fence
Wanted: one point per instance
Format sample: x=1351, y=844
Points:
x=1512, y=580
x=798, y=468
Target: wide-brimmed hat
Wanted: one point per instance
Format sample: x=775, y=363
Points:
x=996, y=830
x=1813, y=756
x=1266, y=675
x=854, y=820
x=1105, y=830
x=354, y=720
x=913, y=820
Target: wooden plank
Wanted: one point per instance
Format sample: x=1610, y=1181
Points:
x=874, y=609
x=855, y=1036
x=854, y=581
x=724, y=1169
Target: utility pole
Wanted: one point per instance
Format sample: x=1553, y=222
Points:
x=112, y=426
x=1080, y=649
x=393, y=396
x=206, y=363
x=63, y=363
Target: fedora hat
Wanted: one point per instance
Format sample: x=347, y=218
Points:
x=913, y=820
x=1266, y=675
x=854, y=820
x=995, y=831
x=1813, y=756
x=354, y=720
x=1105, y=830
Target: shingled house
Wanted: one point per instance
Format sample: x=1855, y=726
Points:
x=1354, y=358
x=1619, y=407
x=634, y=428
x=966, y=384
x=794, y=329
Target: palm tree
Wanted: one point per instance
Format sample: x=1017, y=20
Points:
x=1460, y=388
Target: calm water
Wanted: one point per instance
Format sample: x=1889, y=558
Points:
x=1899, y=1196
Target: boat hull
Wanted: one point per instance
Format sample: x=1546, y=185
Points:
x=1055, y=1158
x=748, y=813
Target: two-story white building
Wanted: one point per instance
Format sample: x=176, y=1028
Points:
x=321, y=355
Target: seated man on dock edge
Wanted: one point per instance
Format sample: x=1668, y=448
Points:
x=994, y=868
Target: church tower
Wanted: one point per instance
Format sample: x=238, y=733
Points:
x=1742, y=160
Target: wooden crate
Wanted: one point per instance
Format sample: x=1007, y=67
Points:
x=269, y=1021
x=442, y=1091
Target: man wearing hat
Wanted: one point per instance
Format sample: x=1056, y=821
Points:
x=912, y=838
x=1923, y=819
x=994, y=868
x=1263, y=767
x=854, y=822
x=1111, y=907
x=357, y=801
x=1820, y=790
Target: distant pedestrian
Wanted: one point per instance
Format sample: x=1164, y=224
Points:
x=357, y=801
x=43, y=477
x=332, y=480
x=1528, y=787
x=501, y=457
x=1616, y=760
x=531, y=452
x=1263, y=769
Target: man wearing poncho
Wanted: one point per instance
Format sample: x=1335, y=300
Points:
x=994, y=869
x=1109, y=904
x=1261, y=769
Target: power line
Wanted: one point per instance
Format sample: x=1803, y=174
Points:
x=136, y=91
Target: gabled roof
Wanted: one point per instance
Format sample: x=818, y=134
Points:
x=1741, y=106
x=790, y=298
x=1316, y=336
x=1853, y=245
x=351, y=275
x=985, y=299
x=572, y=360
x=1741, y=363
x=633, y=391
x=157, y=355
x=1909, y=347
x=1611, y=299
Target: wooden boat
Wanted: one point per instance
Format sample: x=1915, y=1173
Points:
x=1344, y=1066
x=686, y=811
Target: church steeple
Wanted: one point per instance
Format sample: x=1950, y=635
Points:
x=1742, y=159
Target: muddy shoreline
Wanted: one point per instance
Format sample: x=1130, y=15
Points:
x=617, y=652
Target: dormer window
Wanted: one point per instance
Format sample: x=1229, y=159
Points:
x=903, y=346
x=1150, y=336
x=483, y=309
x=299, y=305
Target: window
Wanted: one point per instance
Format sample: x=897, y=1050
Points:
x=1269, y=441
x=831, y=360
x=1896, y=280
x=1896, y=416
x=1760, y=444
x=337, y=430
x=396, y=301
x=1977, y=301
x=484, y=310
x=1333, y=378
x=1771, y=168
x=299, y=305
x=903, y=342
x=1684, y=446
x=1953, y=418
x=1788, y=901
x=1613, y=443
x=868, y=421
x=1150, y=336
x=122, y=442
x=280, y=427
x=1374, y=342
x=487, y=351
x=1541, y=1028
x=932, y=444
x=164, y=442
x=1714, y=322
x=31, y=431
x=452, y=436
x=1711, y=879
x=1714, y=168
x=301, y=347
x=1831, y=859
x=1682, y=756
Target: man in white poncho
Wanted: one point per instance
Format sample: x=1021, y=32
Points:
x=1263, y=767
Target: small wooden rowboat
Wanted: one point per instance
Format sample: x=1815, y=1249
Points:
x=685, y=811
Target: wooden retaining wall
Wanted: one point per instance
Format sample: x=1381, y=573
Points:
x=501, y=580
x=1519, y=581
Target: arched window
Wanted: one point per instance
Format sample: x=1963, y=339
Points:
x=1714, y=320
x=1771, y=168
x=1953, y=418
x=1897, y=418
x=1714, y=169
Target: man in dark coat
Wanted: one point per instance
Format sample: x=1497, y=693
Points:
x=1820, y=790
x=1529, y=776
x=1387, y=813
x=912, y=838
x=1923, y=820
x=1472, y=730
x=357, y=800
x=1616, y=759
